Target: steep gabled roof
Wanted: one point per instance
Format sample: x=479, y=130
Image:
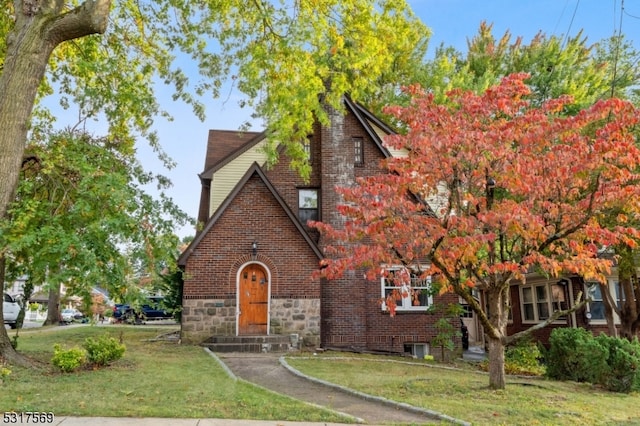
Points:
x=366, y=117
x=225, y=145
x=255, y=169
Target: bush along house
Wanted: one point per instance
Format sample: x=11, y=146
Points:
x=248, y=273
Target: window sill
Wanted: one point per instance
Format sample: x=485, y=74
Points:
x=409, y=311
x=559, y=322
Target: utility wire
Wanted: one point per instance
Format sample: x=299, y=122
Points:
x=618, y=41
x=566, y=36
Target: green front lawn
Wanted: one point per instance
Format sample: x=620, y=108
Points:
x=464, y=394
x=154, y=379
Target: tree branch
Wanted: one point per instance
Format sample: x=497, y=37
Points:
x=552, y=318
x=90, y=17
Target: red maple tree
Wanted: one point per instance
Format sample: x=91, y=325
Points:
x=492, y=188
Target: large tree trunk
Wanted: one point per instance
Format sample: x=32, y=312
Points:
x=53, y=306
x=7, y=351
x=498, y=303
x=39, y=27
x=497, y=376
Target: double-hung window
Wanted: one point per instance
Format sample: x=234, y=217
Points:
x=539, y=301
x=308, y=205
x=306, y=147
x=596, y=305
x=409, y=288
x=358, y=151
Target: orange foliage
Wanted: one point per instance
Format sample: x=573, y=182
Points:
x=500, y=186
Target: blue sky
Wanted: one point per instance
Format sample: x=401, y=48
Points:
x=451, y=21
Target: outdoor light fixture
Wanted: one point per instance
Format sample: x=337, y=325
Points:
x=254, y=248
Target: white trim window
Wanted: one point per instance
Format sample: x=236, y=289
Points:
x=539, y=300
x=596, y=306
x=410, y=290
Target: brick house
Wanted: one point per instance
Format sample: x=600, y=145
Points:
x=534, y=301
x=249, y=270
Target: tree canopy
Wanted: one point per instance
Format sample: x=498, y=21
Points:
x=290, y=58
x=81, y=217
x=493, y=187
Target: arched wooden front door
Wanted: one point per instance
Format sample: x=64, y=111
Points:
x=253, y=295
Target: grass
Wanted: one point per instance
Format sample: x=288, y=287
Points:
x=153, y=379
x=164, y=379
x=464, y=394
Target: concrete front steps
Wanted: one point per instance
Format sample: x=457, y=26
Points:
x=252, y=344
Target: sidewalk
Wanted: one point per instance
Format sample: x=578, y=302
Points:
x=128, y=421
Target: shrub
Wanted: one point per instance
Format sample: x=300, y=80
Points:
x=4, y=373
x=523, y=357
x=68, y=359
x=575, y=355
x=103, y=350
x=623, y=364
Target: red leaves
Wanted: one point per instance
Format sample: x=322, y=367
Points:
x=559, y=181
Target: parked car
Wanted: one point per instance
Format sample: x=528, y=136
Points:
x=150, y=311
x=10, y=310
x=118, y=311
x=70, y=315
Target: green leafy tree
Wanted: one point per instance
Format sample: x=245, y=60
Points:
x=79, y=203
x=555, y=66
x=290, y=59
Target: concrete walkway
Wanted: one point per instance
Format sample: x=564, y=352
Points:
x=271, y=372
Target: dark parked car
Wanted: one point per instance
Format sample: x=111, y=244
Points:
x=150, y=311
x=118, y=311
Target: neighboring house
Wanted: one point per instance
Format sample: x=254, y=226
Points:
x=537, y=299
x=249, y=270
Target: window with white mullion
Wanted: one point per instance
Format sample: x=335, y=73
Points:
x=539, y=301
x=416, y=294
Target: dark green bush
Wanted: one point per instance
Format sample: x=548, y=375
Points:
x=623, y=364
x=68, y=360
x=575, y=355
x=103, y=350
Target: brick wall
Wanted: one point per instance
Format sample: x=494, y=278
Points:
x=211, y=270
x=340, y=313
x=351, y=314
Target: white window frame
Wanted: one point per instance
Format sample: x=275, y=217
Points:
x=358, y=150
x=614, y=290
x=308, y=201
x=406, y=305
x=537, y=302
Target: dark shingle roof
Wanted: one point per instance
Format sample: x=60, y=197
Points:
x=223, y=145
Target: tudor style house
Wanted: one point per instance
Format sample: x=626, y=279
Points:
x=250, y=269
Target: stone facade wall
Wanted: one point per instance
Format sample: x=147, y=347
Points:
x=297, y=316
x=204, y=318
